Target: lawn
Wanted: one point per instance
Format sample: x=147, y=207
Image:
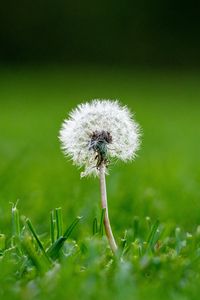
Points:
x=155, y=260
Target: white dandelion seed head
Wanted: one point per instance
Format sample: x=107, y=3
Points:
x=97, y=117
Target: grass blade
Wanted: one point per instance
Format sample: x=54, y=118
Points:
x=32, y=229
x=52, y=226
x=2, y=242
x=101, y=226
x=59, y=222
x=39, y=262
x=15, y=221
x=16, y=229
x=135, y=227
x=148, y=221
x=53, y=251
x=71, y=227
x=95, y=226
x=152, y=235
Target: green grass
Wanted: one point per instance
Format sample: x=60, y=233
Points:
x=154, y=260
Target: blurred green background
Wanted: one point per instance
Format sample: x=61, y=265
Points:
x=162, y=182
x=55, y=55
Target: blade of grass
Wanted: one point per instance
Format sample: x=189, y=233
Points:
x=135, y=227
x=52, y=226
x=101, y=226
x=95, y=226
x=16, y=229
x=32, y=230
x=151, y=238
x=53, y=251
x=124, y=240
x=39, y=262
x=148, y=221
x=2, y=243
x=59, y=223
x=71, y=227
x=179, y=240
x=15, y=221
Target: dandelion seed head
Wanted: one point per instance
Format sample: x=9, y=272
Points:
x=99, y=123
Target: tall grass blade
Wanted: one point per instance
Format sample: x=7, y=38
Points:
x=39, y=262
x=71, y=227
x=2, y=243
x=53, y=251
x=16, y=230
x=52, y=226
x=32, y=230
x=151, y=240
x=101, y=226
x=135, y=227
x=95, y=226
x=15, y=221
x=59, y=222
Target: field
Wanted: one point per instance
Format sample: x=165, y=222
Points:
x=155, y=259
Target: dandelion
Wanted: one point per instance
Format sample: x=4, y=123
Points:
x=95, y=133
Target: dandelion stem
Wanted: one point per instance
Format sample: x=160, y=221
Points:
x=104, y=205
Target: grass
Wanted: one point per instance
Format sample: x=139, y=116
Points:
x=156, y=258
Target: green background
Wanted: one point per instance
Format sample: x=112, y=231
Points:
x=163, y=180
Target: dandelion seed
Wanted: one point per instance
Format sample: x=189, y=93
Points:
x=93, y=135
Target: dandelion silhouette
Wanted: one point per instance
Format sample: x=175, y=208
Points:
x=95, y=133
